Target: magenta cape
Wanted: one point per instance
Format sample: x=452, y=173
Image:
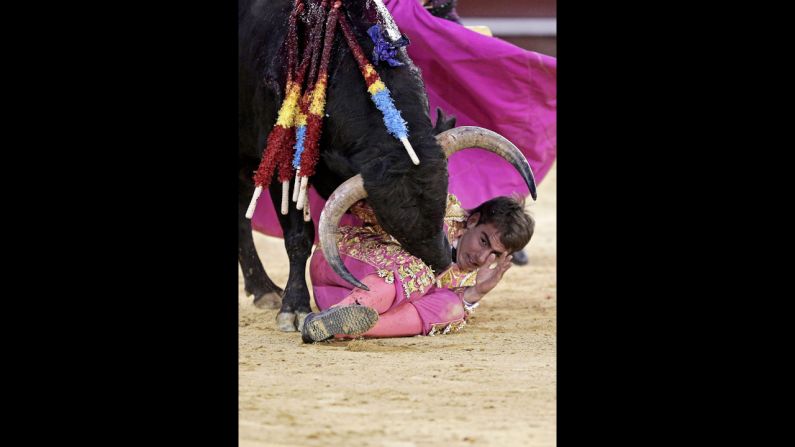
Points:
x=484, y=82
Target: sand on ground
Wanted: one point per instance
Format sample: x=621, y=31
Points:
x=492, y=384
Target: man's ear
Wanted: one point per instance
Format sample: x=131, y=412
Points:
x=472, y=221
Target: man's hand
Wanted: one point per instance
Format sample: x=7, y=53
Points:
x=487, y=278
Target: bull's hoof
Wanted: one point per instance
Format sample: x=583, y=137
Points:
x=285, y=322
x=271, y=300
x=299, y=320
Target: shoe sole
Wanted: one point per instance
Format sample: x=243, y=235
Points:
x=347, y=320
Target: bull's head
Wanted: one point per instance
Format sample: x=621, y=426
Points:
x=432, y=247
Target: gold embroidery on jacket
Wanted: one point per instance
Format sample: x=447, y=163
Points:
x=454, y=277
x=371, y=244
x=392, y=262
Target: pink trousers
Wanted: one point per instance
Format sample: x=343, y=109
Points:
x=401, y=321
x=398, y=317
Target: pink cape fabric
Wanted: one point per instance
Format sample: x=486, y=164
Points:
x=483, y=81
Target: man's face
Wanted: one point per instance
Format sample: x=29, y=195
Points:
x=477, y=243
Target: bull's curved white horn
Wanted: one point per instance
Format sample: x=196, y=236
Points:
x=348, y=193
x=457, y=138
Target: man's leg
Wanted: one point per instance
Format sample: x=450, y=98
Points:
x=438, y=309
x=380, y=296
x=353, y=315
x=347, y=318
x=338, y=320
x=402, y=321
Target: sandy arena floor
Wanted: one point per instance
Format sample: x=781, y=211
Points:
x=492, y=384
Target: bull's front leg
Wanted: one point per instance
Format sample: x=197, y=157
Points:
x=257, y=283
x=298, y=239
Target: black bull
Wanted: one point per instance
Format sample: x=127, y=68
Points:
x=409, y=200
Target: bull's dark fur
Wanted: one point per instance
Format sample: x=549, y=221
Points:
x=409, y=200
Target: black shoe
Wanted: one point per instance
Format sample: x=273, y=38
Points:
x=519, y=258
x=347, y=320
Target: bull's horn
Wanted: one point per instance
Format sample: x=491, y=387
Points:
x=348, y=193
x=458, y=138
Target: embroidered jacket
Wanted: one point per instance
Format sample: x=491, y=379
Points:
x=369, y=243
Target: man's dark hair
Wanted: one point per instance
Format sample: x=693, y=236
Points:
x=508, y=216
